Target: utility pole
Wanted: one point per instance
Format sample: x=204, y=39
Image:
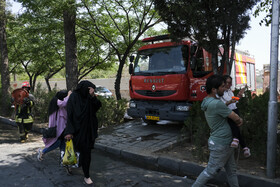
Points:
x=272, y=104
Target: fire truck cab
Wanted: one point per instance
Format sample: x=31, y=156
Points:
x=166, y=78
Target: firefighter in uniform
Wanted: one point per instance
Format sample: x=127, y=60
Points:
x=24, y=117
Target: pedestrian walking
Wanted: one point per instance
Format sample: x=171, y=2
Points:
x=216, y=114
x=231, y=104
x=82, y=123
x=23, y=106
x=57, y=118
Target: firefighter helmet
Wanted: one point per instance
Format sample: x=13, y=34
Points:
x=25, y=84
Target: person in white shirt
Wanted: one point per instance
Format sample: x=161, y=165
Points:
x=231, y=103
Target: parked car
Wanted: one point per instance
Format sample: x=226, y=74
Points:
x=103, y=91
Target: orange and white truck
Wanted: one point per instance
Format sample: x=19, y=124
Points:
x=167, y=77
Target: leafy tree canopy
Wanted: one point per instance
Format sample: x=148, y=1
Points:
x=119, y=24
x=264, y=6
x=48, y=16
x=205, y=20
x=209, y=22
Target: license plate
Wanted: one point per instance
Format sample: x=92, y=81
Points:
x=152, y=118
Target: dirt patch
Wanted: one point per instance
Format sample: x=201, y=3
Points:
x=249, y=165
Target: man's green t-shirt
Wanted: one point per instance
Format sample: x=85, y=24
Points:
x=216, y=113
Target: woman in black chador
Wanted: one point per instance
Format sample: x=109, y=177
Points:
x=82, y=123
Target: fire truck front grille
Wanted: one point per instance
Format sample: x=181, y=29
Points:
x=158, y=93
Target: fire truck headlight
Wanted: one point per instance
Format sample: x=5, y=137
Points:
x=132, y=105
x=182, y=108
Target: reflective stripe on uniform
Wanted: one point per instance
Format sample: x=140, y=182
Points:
x=18, y=120
x=28, y=120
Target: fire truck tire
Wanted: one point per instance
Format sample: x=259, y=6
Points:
x=149, y=122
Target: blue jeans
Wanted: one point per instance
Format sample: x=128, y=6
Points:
x=220, y=156
x=59, y=143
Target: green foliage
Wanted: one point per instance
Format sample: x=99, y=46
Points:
x=264, y=6
x=197, y=126
x=107, y=32
x=9, y=110
x=210, y=23
x=40, y=27
x=120, y=24
x=35, y=46
x=111, y=112
x=254, y=111
x=42, y=100
x=102, y=74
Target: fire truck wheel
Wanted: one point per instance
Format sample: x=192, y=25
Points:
x=150, y=122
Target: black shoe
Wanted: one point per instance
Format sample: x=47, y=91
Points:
x=68, y=170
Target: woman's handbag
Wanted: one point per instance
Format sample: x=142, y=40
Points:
x=69, y=157
x=49, y=132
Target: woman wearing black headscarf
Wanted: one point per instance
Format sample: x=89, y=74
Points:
x=82, y=123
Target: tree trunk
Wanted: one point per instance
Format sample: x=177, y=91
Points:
x=231, y=57
x=214, y=61
x=71, y=62
x=226, y=46
x=118, y=79
x=233, y=41
x=47, y=80
x=32, y=82
x=5, y=74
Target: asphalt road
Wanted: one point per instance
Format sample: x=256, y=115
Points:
x=19, y=167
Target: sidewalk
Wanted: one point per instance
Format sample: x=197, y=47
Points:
x=136, y=142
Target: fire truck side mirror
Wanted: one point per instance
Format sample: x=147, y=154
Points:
x=130, y=68
x=131, y=58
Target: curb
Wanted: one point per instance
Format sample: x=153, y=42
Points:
x=7, y=121
x=182, y=168
x=167, y=164
x=35, y=128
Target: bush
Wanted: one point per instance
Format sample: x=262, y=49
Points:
x=42, y=100
x=199, y=131
x=8, y=110
x=111, y=112
x=254, y=111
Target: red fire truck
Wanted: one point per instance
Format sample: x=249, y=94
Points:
x=167, y=77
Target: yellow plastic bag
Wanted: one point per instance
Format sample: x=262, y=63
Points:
x=69, y=157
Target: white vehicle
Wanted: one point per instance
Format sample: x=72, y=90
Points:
x=103, y=91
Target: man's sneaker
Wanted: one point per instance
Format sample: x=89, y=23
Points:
x=61, y=158
x=68, y=170
x=234, y=143
x=40, y=155
x=246, y=152
x=22, y=141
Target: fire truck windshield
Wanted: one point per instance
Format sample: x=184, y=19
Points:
x=165, y=60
